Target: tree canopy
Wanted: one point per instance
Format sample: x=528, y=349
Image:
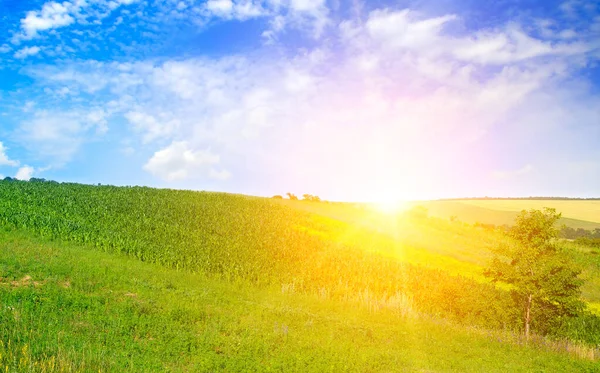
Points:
x=542, y=277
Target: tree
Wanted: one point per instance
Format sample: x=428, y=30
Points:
x=292, y=196
x=310, y=197
x=543, y=279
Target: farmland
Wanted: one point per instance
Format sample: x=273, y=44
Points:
x=249, y=273
x=576, y=213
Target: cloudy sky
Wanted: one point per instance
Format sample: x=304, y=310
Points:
x=349, y=100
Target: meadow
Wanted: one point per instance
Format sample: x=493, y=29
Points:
x=67, y=307
x=117, y=275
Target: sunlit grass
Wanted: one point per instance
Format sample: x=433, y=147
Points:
x=112, y=313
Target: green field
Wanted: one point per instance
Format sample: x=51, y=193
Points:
x=139, y=279
x=67, y=307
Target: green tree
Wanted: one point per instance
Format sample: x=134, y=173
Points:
x=542, y=277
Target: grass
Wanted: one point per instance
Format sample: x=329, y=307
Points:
x=335, y=262
x=68, y=307
x=452, y=246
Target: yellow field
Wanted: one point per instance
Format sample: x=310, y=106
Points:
x=574, y=209
x=575, y=213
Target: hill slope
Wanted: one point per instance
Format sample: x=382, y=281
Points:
x=342, y=255
x=111, y=313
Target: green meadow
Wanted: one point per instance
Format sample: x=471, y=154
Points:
x=102, y=278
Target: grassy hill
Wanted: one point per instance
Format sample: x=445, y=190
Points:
x=66, y=307
x=128, y=268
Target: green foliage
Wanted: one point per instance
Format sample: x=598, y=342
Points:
x=590, y=242
x=543, y=279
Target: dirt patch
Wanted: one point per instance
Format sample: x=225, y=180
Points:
x=25, y=281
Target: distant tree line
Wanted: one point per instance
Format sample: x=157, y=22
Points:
x=306, y=197
x=572, y=233
x=565, y=232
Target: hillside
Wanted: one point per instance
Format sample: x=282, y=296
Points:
x=319, y=259
x=112, y=313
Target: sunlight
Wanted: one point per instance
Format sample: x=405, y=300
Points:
x=389, y=202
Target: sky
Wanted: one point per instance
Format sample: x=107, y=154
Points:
x=349, y=100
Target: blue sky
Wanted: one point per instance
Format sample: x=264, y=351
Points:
x=349, y=100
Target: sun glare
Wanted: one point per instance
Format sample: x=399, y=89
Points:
x=389, y=203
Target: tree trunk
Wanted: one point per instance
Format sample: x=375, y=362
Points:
x=528, y=315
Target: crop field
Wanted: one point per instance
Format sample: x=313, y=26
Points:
x=575, y=213
x=574, y=209
x=302, y=261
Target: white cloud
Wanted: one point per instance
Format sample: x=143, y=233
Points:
x=238, y=10
x=27, y=51
x=151, y=127
x=97, y=118
x=309, y=16
x=222, y=8
x=4, y=160
x=55, y=15
x=400, y=29
x=56, y=136
x=401, y=96
x=313, y=14
x=24, y=173
x=408, y=31
x=28, y=107
x=179, y=161
x=5, y=48
x=52, y=15
x=306, y=16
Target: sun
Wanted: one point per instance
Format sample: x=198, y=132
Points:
x=389, y=202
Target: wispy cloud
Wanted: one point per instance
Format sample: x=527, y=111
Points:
x=55, y=15
x=388, y=92
x=4, y=159
x=27, y=52
x=56, y=136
